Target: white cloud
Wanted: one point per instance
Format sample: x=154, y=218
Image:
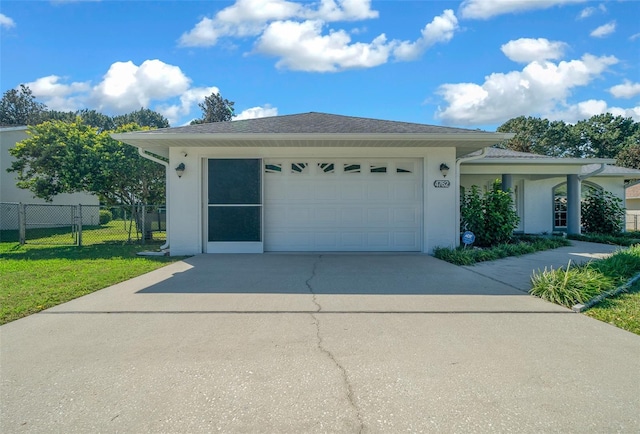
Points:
x=592, y=107
x=6, y=22
x=440, y=29
x=250, y=17
x=126, y=87
x=485, y=9
x=257, y=112
x=588, y=11
x=188, y=101
x=525, y=50
x=604, y=30
x=302, y=47
x=295, y=33
x=634, y=36
x=59, y=96
x=539, y=88
x=625, y=90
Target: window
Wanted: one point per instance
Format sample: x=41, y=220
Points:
x=351, y=168
x=273, y=168
x=560, y=202
x=375, y=168
x=298, y=168
x=404, y=167
x=326, y=167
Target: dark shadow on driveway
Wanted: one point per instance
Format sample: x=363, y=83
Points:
x=330, y=273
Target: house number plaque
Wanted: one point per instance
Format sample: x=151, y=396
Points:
x=441, y=183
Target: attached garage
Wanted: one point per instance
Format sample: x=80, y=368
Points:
x=311, y=182
x=334, y=204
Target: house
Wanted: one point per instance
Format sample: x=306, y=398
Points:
x=40, y=213
x=542, y=185
x=323, y=182
x=632, y=195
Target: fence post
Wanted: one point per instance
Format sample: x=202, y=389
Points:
x=144, y=224
x=22, y=223
x=79, y=218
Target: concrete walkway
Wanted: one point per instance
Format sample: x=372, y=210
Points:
x=316, y=343
x=516, y=271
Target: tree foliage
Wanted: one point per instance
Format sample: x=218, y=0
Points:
x=215, y=109
x=601, y=136
x=62, y=157
x=602, y=213
x=490, y=216
x=142, y=117
x=19, y=107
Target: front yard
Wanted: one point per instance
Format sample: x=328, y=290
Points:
x=34, y=278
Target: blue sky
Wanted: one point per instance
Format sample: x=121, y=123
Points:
x=471, y=63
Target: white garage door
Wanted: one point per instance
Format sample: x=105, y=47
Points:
x=343, y=205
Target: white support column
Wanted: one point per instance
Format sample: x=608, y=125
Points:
x=573, y=204
x=507, y=182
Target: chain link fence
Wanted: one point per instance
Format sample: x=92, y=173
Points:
x=81, y=224
x=632, y=221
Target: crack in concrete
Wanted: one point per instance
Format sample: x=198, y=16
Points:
x=307, y=282
x=329, y=354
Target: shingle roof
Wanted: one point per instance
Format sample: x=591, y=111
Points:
x=312, y=123
x=611, y=170
x=507, y=153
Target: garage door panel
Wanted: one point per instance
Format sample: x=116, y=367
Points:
x=341, y=205
x=352, y=217
x=379, y=191
x=378, y=217
x=405, y=217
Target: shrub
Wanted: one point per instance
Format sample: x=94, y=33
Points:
x=491, y=217
x=569, y=286
x=602, y=213
x=105, y=216
x=469, y=256
x=581, y=283
x=622, y=239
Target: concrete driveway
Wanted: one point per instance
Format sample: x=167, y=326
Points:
x=316, y=343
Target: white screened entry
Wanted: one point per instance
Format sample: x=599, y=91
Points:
x=343, y=205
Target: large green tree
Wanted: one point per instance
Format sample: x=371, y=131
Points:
x=601, y=136
x=62, y=157
x=142, y=117
x=215, y=109
x=19, y=107
x=540, y=136
x=605, y=135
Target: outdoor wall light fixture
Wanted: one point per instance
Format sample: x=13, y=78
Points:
x=444, y=169
x=180, y=170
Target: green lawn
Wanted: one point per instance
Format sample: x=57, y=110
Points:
x=622, y=311
x=37, y=277
x=115, y=230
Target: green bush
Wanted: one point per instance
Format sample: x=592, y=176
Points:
x=602, y=213
x=581, y=283
x=491, y=217
x=105, y=216
x=469, y=256
x=569, y=286
x=621, y=239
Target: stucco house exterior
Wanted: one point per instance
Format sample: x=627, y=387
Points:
x=10, y=194
x=542, y=185
x=324, y=182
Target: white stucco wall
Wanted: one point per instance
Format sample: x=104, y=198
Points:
x=186, y=202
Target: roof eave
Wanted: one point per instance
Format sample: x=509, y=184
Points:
x=542, y=161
